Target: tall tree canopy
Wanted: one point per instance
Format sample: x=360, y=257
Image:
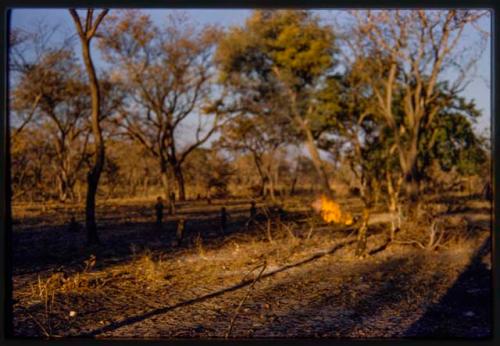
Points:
x=286, y=54
x=402, y=56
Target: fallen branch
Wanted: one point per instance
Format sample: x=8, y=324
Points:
x=433, y=242
x=162, y=310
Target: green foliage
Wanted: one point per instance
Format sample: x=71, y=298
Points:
x=296, y=43
x=277, y=47
x=450, y=139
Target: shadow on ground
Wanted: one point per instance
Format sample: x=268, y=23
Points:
x=36, y=249
x=466, y=309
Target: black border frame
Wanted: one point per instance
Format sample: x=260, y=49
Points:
x=5, y=188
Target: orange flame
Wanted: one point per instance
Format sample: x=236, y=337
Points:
x=330, y=211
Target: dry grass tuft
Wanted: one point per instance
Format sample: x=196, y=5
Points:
x=198, y=245
x=147, y=269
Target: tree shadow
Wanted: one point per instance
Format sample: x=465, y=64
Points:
x=159, y=311
x=447, y=199
x=451, y=317
x=45, y=248
x=466, y=309
x=138, y=318
x=348, y=310
x=37, y=249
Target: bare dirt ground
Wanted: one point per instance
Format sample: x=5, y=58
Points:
x=240, y=283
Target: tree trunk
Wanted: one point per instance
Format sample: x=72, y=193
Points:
x=295, y=177
x=393, y=213
x=61, y=188
x=276, y=182
x=65, y=184
x=145, y=184
x=78, y=192
x=392, y=209
x=263, y=187
x=164, y=180
x=412, y=177
x=294, y=183
x=95, y=172
x=271, y=189
x=179, y=177
x=166, y=186
x=269, y=182
x=413, y=189
x=317, y=162
x=262, y=176
x=262, y=190
x=361, y=239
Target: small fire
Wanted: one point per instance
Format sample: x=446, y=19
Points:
x=330, y=211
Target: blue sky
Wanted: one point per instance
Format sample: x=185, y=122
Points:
x=479, y=89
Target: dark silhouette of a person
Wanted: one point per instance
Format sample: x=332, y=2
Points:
x=487, y=191
x=159, y=211
x=253, y=210
x=253, y=215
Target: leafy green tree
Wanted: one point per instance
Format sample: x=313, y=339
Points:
x=350, y=130
x=451, y=140
x=285, y=56
x=405, y=55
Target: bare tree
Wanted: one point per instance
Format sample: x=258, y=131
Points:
x=86, y=32
x=61, y=100
x=167, y=73
x=26, y=50
x=255, y=134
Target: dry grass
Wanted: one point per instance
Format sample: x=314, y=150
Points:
x=154, y=278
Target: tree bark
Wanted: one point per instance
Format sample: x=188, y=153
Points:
x=272, y=189
x=317, y=162
x=64, y=188
x=95, y=172
x=166, y=185
x=294, y=183
x=361, y=239
x=263, y=178
x=393, y=192
x=179, y=177
x=413, y=187
x=313, y=150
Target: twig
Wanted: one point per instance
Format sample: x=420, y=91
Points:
x=309, y=234
x=264, y=266
x=409, y=243
x=288, y=229
x=39, y=325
